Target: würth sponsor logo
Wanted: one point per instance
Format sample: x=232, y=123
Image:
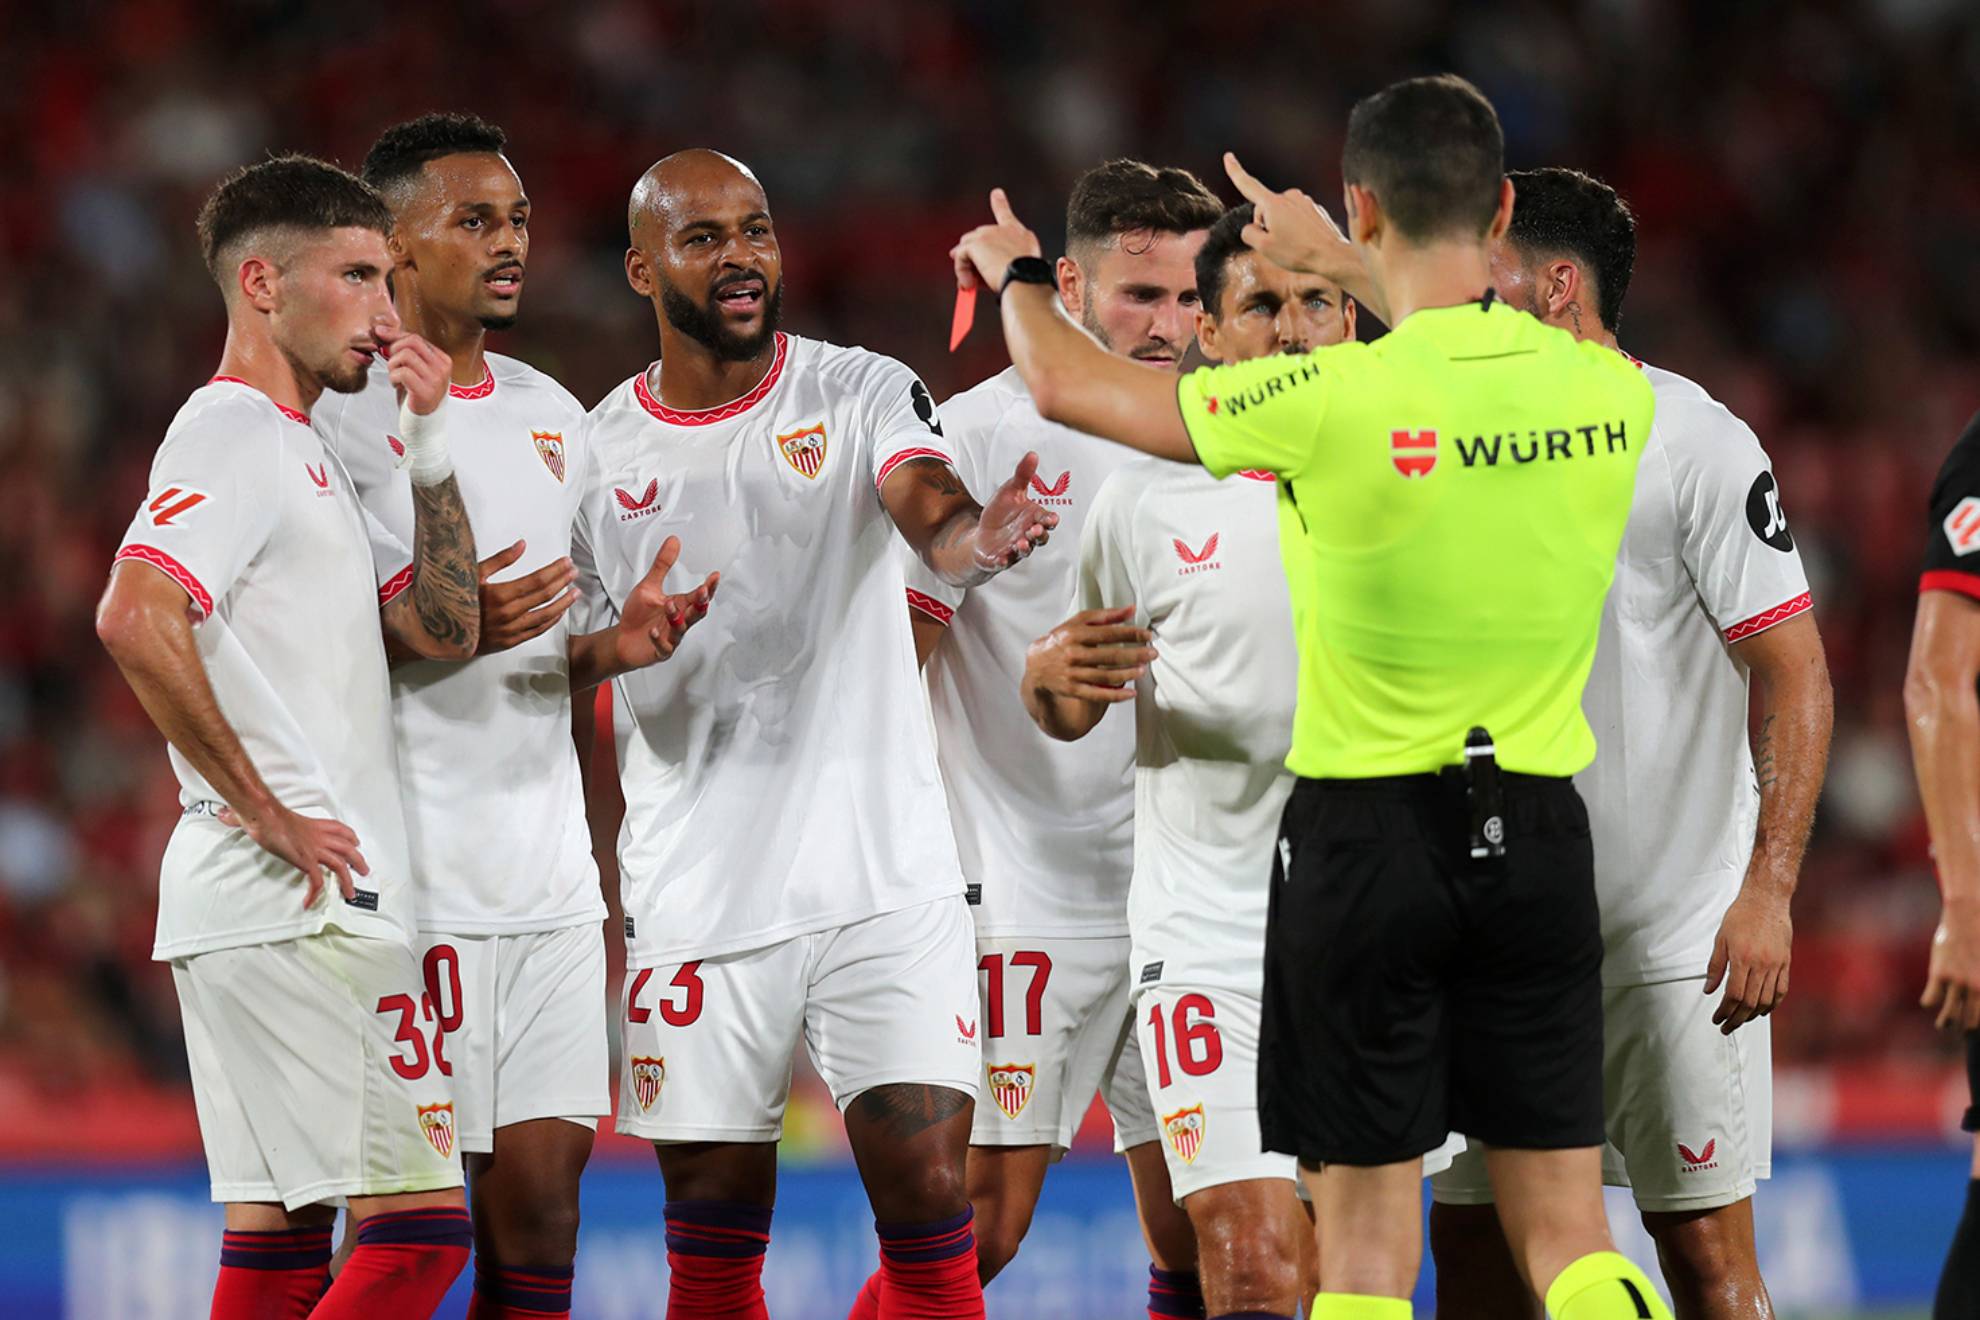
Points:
x=631, y=506
x=1055, y=493
x=1413, y=452
x=319, y=476
x=1011, y=1086
x=1699, y=1160
x=1542, y=446
x=173, y=502
x=648, y=1076
x=1196, y=561
x=1269, y=388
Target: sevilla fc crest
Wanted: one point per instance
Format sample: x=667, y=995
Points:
x=1010, y=1086
x=550, y=448
x=804, y=450
x=648, y=1076
x=1184, y=1129
x=1413, y=452
x=436, y=1124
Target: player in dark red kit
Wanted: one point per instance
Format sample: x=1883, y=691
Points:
x=1943, y=707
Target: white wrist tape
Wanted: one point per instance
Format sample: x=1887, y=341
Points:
x=428, y=459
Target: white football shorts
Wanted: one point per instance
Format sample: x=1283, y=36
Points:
x=528, y=1027
x=315, y=1071
x=1689, y=1109
x=708, y=1042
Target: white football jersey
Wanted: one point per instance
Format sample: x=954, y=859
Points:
x=258, y=522
x=1045, y=828
x=494, y=807
x=1199, y=558
x=780, y=770
x=1707, y=560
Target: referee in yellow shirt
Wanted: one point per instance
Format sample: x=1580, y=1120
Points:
x=1433, y=959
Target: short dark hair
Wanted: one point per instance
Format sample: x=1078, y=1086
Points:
x=1563, y=212
x=402, y=150
x=1223, y=244
x=1432, y=152
x=286, y=192
x=1128, y=196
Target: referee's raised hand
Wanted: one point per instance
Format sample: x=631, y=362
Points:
x=1292, y=230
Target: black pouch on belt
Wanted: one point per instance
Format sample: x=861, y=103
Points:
x=1485, y=799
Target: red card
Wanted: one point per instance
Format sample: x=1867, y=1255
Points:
x=965, y=317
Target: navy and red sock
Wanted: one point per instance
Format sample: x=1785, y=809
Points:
x=272, y=1275
x=513, y=1292
x=715, y=1260
x=1174, y=1294
x=928, y=1271
x=403, y=1265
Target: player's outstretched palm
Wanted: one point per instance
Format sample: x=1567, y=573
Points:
x=1952, y=981
x=311, y=844
x=1012, y=524
x=653, y=621
x=529, y=606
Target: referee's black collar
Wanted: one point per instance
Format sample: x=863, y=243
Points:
x=1485, y=301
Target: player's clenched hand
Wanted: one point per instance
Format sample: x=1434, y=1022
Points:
x=653, y=622
x=1094, y=656
x=1292, y=230
x=1012, y=525
x=1952, y=982
x=1750, y=958
x=310, y=844
x=529, y=606
x=986, y=252
x=418, y=371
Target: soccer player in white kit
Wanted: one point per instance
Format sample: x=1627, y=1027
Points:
x=1045, y=830
x=788, y=868
x=510, y=913
x=1196, y=561
x=244, y=611
x=1698, y=836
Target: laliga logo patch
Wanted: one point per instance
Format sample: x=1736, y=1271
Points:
x=804, y=450
x=1011, y=1086
x=550, y=448
x=172, y=502
x=1962, y=526
x=1414, y=453
x=648, y=1076
x=1184, y=1129
x=436, y=1124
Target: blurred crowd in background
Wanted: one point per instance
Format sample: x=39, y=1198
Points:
x=1803, y=173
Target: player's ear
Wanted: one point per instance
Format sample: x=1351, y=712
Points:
x=1072, y=285
x=396, y=248
x=1501, y=218
x=1348, y=310
x=638, y=273
x=1561, y=284
x=1364, y=215
x=1206, y=336
x=256, y=280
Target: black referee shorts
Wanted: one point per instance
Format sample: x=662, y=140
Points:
x=1410, y=992
x=1971, y=1122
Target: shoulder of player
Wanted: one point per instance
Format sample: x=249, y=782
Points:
x=1120, y=498
x=232, y=424
x=517, y=375
x=1692, y=427
x=1959, y=475
x=857, y=371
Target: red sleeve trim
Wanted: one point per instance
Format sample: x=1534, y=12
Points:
x=908, y=456
x=171, y=568
x=395, y=586
x=1766, y=619
x=928, y=605
x=1949, y=579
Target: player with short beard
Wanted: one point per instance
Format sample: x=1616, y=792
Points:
x=1046, y=830
x=244, y=611
x=786, y=862
x=511, y=918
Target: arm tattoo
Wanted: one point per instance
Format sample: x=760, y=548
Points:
x=938, y=476
x=445, y=592
x=1765, y=773
x=906, y=1110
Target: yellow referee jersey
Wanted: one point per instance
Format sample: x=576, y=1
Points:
x=1461, y=487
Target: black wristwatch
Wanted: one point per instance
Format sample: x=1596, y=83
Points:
x=1029, y=270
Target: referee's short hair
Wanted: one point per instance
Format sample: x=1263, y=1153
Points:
x=1432, y=152
x=1564, y=213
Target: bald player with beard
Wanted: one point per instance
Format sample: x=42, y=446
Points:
x=787, y=866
